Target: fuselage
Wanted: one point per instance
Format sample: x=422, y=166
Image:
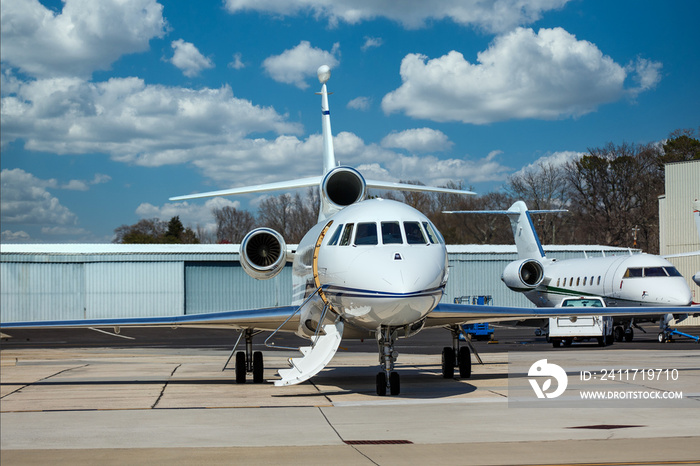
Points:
x=379, y=262
x=629, y=280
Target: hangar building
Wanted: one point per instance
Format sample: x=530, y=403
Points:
x=64, y=281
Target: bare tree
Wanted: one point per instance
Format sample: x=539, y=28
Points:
x=232, y=224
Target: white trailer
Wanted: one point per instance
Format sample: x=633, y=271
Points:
x=566, y=330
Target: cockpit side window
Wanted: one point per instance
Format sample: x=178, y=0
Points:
x=672, y=272
x=347, y=234
x=414, y=234
x=366, y=234
x=634, y=272
x=433, y=235
x=391, y=233
x=334, y=239
x=654, y=272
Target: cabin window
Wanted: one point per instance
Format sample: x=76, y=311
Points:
x=414, y=234
x=578, y=280
x=366, y=234
x=433, y=235
x=672, y=272
x=598, y=279
x=654, y=272
x=347, y=234
x=391, y=233
x=592, y=280
x=584, y=280
x=336, y=235
x=634, y=272
x=558, y=279
x=571, y=282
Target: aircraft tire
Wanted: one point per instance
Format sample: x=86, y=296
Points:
x=619, y=333
x=448, y=363
x=258, y=367
x=662, y=337
x=394, y=383
x=629, y=335
x=240, y=367
x=465, y=362
x=381, y=383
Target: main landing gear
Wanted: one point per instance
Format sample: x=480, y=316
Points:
x=456, y=357
x=248, y=361
x=387, y=378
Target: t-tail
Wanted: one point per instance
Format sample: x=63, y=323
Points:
x=527, y=272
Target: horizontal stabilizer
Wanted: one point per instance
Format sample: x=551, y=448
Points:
x=300, y=183
x=413, y=187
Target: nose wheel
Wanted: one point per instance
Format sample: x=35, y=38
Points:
x=387, y=379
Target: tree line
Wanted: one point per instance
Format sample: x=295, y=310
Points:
x=611, y=194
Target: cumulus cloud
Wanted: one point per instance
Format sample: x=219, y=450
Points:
x=149, y=125
x=523, y=74
x=26, y=201
x=360, y=103
x=418, y=140
x=296, y=65
x=85, y=36
x=493, y=16
x=188, y=59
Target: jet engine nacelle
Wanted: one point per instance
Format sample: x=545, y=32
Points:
x=263, y=253
x=343, y=186
x=523, y=274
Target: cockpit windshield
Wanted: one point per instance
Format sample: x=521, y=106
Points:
x=639, y=272
x=366, y=234
x=414, y=233
x=390, y=232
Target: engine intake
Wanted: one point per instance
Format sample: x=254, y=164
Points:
x=343, y=186
x=523, y=275
x=263, y=253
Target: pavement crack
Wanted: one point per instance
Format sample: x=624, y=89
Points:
x=343, y=440
x=42, y=379
x=165, y=385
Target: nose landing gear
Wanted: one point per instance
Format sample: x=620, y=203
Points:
x=387, y=378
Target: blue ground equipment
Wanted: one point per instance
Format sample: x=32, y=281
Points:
x=476, y=331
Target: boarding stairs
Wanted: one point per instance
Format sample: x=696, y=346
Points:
x=315, y=357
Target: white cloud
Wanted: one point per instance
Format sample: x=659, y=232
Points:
x=147, y=125
x=553, y=159
x=9, y=236
x=296, y=65
x=372, y=42
x=188, y=59
x=360, y=103
x=86, y=36
x=237, y=63
x=493, y=16
x=418, y=140
x=26, y=201
x=547, y=75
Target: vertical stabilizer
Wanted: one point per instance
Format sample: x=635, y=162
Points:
x=324, y=74
x=526, y=240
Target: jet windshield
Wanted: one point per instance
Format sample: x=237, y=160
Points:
x=392, y=232
x=640, y=272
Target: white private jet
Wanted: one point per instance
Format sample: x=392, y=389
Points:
x=369, y=268
x=621, y=280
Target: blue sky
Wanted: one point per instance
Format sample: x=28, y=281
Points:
x=109, y=108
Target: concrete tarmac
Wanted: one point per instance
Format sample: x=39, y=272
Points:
x=176, y=406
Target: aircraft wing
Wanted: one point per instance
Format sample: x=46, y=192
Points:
x=261, y=319
x=446, y=314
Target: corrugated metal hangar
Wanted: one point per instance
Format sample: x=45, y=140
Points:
x=56, y=282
